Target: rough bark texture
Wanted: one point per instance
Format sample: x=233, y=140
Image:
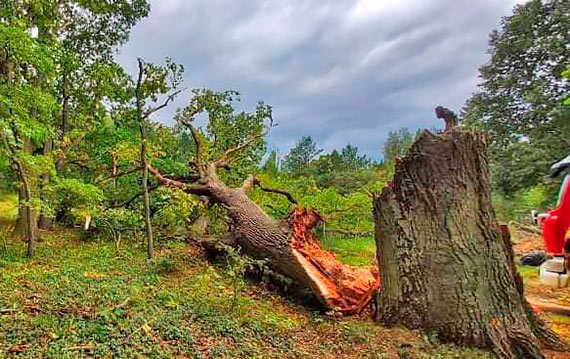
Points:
x=27, y=221
x=289, y=246
x=444, y=265
x=292, y=250
x=44, y=221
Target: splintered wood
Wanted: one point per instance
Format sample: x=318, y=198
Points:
x=342, y=288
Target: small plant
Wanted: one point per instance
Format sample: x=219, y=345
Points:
x=166, y=266
x=4, y=250
x=238, y=264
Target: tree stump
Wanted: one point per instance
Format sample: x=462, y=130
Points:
x=444, y=265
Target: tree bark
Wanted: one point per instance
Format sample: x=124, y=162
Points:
x=444, y=265
x=27, y=221
x=44, y=221
x=144, y=161
x=288, y=246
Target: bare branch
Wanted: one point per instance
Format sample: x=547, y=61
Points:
x=188, y=188
x=136, y=169
x=197, y=141
x=163, y=105
x=138, y=91
x=289, y=196
x=223, y=160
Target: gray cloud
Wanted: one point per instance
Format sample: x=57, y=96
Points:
x=342, y=71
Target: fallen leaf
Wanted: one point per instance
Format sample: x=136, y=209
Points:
x=147, y=329
x=15, y=349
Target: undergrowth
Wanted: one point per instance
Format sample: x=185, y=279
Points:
x=78, y=299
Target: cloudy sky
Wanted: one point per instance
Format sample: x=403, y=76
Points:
x=342, y=71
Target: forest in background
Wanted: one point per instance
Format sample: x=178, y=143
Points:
x=72, y=121
x=94, y=184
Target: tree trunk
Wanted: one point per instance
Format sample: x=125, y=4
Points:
x=292, y=250
x=27, y=221
x=146, y=199
x=144, y=161
x=46, y=222
x=444, y=265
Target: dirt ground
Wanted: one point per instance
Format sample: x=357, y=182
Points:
x=537, y=292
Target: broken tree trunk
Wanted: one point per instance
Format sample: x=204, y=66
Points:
x=444, y=265
x=289, y=246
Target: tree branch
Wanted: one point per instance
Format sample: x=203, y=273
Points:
x=137, y=169
x=196, y=138
x=248, y=184
x=170, y=97
x=133, y=198
x=188, y=188
x=138, y=89
x=257, y=182
x=223, y=160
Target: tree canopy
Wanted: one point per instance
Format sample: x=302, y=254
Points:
x=519, y=101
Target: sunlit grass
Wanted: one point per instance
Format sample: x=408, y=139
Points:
x=8, y=206
x=357, y=251
x=528, y=273
x=83, y=299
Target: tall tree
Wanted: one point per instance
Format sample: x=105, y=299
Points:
x=519, y=101
x=397, y=144
x=301, y=155
x=151, y=82
x=83, y=36
x=271, y=166
x=26, y=109
x=351, y=160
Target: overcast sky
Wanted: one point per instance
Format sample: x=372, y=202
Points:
x=342, y=71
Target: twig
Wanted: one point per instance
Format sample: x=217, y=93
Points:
x=170, y=97
x=288, y=195
x=137, y=169
x=128, y=203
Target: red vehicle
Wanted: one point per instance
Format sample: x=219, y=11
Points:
x=556, y=222
x=555, y=225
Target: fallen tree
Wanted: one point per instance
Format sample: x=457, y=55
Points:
x=445, y=266
x=288, y=246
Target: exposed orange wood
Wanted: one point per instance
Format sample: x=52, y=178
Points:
x=342, y=287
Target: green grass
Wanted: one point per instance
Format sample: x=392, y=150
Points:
x=528, y=272
x=78, y=299
x=358, y=251
x=8, y=206
x=82, y=298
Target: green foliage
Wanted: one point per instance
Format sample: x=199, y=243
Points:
x=237, y=265
x=8, y=206
x=566, y=75
x=347, y=182
x=301, y=155
x=172, y=210
x=520, y=99
x=356, y=251
x=351, y=212
x=521, y=203
x=397, y=144
x=226, y=128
